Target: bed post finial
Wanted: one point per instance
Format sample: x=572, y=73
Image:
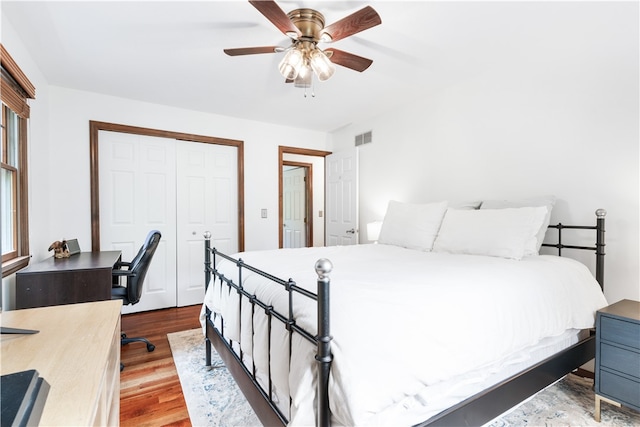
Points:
x=207, y=235
x=601, y=213
x=323, y=355
x=323, y=268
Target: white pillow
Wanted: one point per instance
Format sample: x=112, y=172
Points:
x=502, y=233
x=412, y=225
x=548, y=201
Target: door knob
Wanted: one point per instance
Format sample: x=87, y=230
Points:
x=352, y=231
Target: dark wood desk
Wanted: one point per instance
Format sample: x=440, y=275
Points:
x=84, y=277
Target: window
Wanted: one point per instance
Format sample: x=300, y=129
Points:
x=14, y=92
x=10, y=144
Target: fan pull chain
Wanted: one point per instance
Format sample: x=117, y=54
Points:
x=313, y=93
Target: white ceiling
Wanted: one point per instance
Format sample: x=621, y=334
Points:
x=170, y=52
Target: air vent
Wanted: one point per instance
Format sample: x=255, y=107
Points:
x=364, y=138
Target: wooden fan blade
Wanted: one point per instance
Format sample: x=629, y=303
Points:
x=348, y=60
x=250, y=50
x=359, y=21
x=273, y=13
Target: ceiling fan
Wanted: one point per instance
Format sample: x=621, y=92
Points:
x=305, y=27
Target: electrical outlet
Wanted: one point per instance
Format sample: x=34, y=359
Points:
x=263, y=213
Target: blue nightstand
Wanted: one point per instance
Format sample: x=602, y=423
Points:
x=618, y=355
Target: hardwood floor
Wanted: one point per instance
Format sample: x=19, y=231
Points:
x=150, y=392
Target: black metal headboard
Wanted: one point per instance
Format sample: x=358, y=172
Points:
x=599, y=247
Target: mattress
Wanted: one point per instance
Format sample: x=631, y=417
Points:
x=412, y=331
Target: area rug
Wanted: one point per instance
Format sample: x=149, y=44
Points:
x=212, y=396
x=214, y=399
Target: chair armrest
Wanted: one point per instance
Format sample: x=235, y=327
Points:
x=121, y=273
x=120, y=264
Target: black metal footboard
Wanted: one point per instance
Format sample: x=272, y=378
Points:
x=322, y=340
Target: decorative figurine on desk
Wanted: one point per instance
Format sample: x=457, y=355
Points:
x=59, y=249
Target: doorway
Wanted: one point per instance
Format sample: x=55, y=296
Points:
x=297, y=199
x=314, y=195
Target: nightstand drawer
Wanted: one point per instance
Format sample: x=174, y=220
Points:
x=620, y=389
x=620, y=359
x=620, y=331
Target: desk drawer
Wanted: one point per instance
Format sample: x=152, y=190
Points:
x=620, y=331
x=620, y=389
x=620, y=359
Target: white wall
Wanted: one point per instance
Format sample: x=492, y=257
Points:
x=556, y=121
x=72, y=110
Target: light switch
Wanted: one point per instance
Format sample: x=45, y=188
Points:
x=263, y=214
x=319, y=214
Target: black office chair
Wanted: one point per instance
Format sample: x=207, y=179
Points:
x=135, y=272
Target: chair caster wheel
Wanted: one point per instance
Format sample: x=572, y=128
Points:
x=150, y=347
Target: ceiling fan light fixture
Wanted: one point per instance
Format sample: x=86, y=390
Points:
x=291, y=63
x=321, y=64
x=306, y=29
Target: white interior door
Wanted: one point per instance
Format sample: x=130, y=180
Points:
x=342, y=198
x=295, y=207
x=137, y=194
x=207, y=200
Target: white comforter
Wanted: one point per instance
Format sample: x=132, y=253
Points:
x=404, y=320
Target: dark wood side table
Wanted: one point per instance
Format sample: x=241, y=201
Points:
x=618, y=355
x=85, y=277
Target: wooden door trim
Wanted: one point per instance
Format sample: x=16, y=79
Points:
x=95, y=127
x=282, y=150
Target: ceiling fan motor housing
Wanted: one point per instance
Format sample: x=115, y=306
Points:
x=310, y=23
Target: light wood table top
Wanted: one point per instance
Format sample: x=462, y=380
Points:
x=71, y=352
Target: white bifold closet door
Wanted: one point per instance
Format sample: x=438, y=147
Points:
x=207, y=200
x=180, y=188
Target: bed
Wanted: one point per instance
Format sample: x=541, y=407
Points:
x=452, y=318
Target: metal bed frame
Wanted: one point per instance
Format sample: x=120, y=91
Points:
x=476, y=410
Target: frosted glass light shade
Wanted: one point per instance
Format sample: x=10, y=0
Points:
x=290, y=64
x=321, y=65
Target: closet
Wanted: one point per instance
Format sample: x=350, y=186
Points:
x=180, y=188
